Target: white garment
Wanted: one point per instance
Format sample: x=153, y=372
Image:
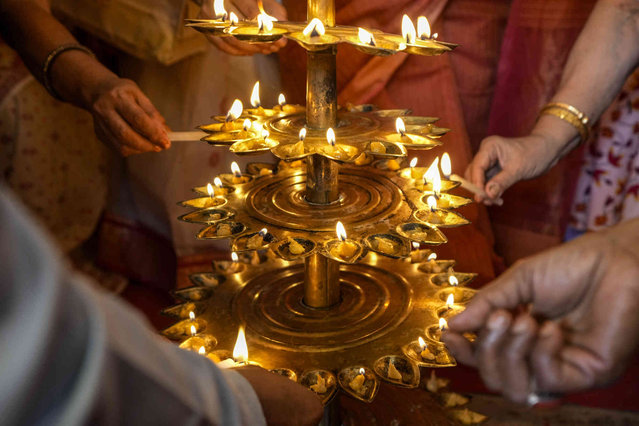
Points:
x=72, y=355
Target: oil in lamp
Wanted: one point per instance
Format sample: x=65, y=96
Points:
x=343, y=249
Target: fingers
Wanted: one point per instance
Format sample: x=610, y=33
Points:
x=485, y=158
x=489, y=346
x=460, y=347
x=120, y=135
x=144, y=124
x=516, y=383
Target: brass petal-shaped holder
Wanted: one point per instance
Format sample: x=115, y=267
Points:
x=253, y=241
x=209, y=215
x=221, y=230
x=204, y=202
x=193, y=294
x=441, y=218
x=436, y=266
x=295, y=248
x=348, y=251
x=322, y=382
x=443, y=279
x=285, y=372
x=183, y=329
x=431, y=355
x=359, y=382
x=388, y=245
x=202, y=340
x=398, y=370
x=183, y=310
x=422, y=233
x=207, y=279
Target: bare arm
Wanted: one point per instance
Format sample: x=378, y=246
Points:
x=605, y=53
x=123, y=116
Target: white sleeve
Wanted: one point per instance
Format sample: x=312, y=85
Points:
x=71, y=355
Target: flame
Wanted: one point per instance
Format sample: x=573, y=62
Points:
x=450, y=301
x=413, y=162
x=235, y=111
x=235, y=169
x=429, y=176
x=255, y=95
x=263, y=232
x=193, y=330
x=437, y=183
x=452, y=280
x=192, y=316
x=423, y=28
x=247, y=125
x=281, y=99
x=415, y=245
x=315, y=28
x=443, y=325
x=330, y=136
x=447, y=168
x=234, y=256
x=240, y=351
x=421, y=342
x=233, y=18
x=365, y=37
x=202, y=351
x=435, y=36
x=265, y=22
x=399, y=126
x=260, y=6
x=218, y=182
x=432, y=203
x=219, y=10
x=432, y=256
x=341, y=232
x=209, y=189
x=362, y=371
x=265, y=134
x=408, y=30
x=303, y=133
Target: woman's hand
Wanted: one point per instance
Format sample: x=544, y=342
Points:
x=245, y=9
x=125, y=119
x=585, y=293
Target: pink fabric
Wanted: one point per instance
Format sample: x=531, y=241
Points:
x=608, y=188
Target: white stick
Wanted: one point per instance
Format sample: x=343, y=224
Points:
x=474, y=188
x=186, y=136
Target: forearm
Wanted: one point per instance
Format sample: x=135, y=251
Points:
x=605, y=53
x=29, y=27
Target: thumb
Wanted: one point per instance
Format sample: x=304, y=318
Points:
x=503, y=180
x=511, y=289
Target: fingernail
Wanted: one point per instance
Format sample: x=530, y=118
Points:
x=520, y=326
x=493, y=190
x=497, y=322
x=157, y=148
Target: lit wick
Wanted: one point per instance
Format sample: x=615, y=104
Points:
x=265, y=22
x=432, y=203
x=415, y=245
x=302, y=134
x=240, y=351
x=219, y=10
x=210, y=190
x=422, y=344
x=265, y=134
x=446, y=165
x=443, y=325
x=192, y=316
x=233, y=19
x=235, y=111
x=423, y=28
x=414, y=173
x=330, y=136
x=408, y=30
x=452, y=280
x=365, y=37
x=193, y=330
x=247, y=125
x=281, y=100
x=201, y=351
x=235, y=169
x=315, y=28
x=400, y=127
x=450, y=301
x=340, y=231
x=255, y=95
x=234, y=257
x=263, y=232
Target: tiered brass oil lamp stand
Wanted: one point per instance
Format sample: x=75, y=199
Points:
x=331, y=312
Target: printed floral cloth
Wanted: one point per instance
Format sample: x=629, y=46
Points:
x=49, y=155
x=608, y=188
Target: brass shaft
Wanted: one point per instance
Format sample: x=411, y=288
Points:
x=321, y=274
x=321, y=281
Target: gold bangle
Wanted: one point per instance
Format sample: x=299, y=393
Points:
x=51, y=57
x=571, y=115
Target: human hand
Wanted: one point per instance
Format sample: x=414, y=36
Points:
x=587, y=292
x=284, y=402
x=124, y=118
x=518, y=158
x=245, y=9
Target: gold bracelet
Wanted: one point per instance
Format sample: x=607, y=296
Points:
x=51, y=57
x=571, y=115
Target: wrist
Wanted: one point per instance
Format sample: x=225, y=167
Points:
x=559, y=137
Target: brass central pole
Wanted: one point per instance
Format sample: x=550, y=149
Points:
x=321, y=274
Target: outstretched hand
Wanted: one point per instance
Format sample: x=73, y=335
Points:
x=125, y=118
x=283, y=401
x=562, y=321
x=245, y=9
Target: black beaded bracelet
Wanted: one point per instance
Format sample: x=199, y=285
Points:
x=51, y=57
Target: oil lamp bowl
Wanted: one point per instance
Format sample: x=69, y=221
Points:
x=382, y=46
x=388, y=245
x=222, y=126
x=252, y=34
x=182, y=310
x=194, y=343
x=441, y=279
x=285, y=372
x=229, y=138
x=390, y=164
x=245, y=242
x=369, y=386
x=392, y=113
x=422, y=233
x=207, y=279
x=212, y=232
x=253, y=146
x=219, y=355
x=390, y=149
x=462, y=295
x=311, y=378
x=332, y=247
x=193, y=293
x=436, y=266
x=447, y=201
x=283, y=248
x=182, y=329
x=229, y=267
x=412, y=141
x=408, y=369
x=314, y=43
x=441, y=218
x=204, y=202
x=210, y=215
x=440, y=355
x=226, y=189
x=256, y=169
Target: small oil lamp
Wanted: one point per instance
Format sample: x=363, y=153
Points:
x=233, y=114
x=313, y=36
x=330, y=136
x=201, y=351
x=264, y=23
x=219, y=187
x=423, y=28
x=413, y=172
x=233, y=19
x=400, y=127
x=315, y=29
x=446, y=166
x=409, y=34
x=443, y=324
x=237, y=174
x=358, y=381
x=343, y=249
x=365, y=37
x=453, y=281
x=240, y=351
